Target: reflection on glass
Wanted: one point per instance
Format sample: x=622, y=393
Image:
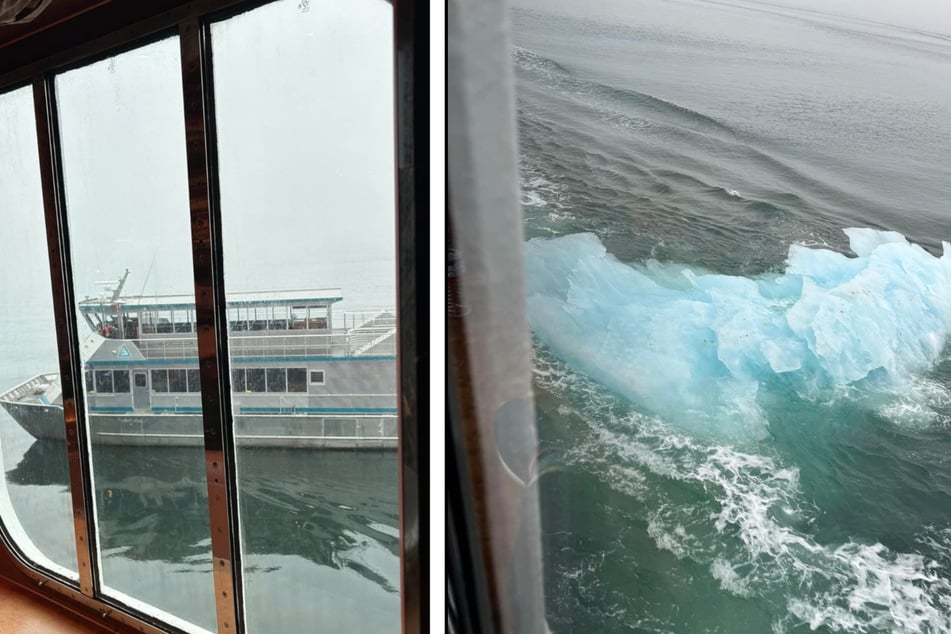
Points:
x=742, y=310
x=123, y=139
x=305, y=126
x=39, y=517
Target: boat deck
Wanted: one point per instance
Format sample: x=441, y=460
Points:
x=375, y=337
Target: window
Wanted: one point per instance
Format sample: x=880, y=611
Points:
x=713, y=348
x=120, y=381
x=177, y=381
x=116, y=116
x=36, y=514
x=160, y=380
x=239, y=381
x=104, y=381
x=296, y=380
x=317, y=377
x=125, y=187
x=256, y=381
x=323, y=153
x=276, y=380
x=194, y=381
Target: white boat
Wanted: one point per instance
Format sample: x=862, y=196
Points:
x=302, y=376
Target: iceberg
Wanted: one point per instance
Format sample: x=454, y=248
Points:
x=694, y=346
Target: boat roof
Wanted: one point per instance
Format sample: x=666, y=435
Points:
x=318, y=297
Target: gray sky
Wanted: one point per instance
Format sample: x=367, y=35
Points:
x=305, y=123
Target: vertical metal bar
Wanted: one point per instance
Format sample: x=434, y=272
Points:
x=411, y=30
x=67, y=336
x=212, y=321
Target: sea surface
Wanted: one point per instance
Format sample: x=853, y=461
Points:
x=735, y=216
x=320, y=529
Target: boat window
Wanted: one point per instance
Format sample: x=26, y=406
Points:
x=104, y=381
x=255, y=381
x=35, y=506
x=124, y=160
x=160, y=380
x=296, y=379
x=329, y=193
x=276, y=380
x=177, y=381
x=141, y=380
x=120, y=381
x=298, y=317
x=239, y=381
x=194, y=381
x=317, y=317
x=90, y=383
x=317, y=377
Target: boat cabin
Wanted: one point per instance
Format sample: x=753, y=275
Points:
x=163, y=315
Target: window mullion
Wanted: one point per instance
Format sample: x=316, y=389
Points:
x=67, y=336
x=211, y=319
x=412, y=120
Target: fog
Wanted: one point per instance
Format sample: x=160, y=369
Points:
x=933, y=16
x=304, y=95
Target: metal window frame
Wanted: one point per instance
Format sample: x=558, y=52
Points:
x=190, y=21
x=491, y=413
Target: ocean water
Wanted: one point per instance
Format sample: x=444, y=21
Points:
x=320, y=529
x=741, y=303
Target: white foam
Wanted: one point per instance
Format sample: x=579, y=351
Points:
x=751, y=526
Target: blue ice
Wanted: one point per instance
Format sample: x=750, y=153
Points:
x=690, y=345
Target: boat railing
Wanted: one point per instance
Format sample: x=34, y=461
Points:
x=374, y=336
x=359, y=318
x=31, y=387
x=370, y=341
x=334, y=404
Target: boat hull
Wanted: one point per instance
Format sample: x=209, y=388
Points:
x=185, y=430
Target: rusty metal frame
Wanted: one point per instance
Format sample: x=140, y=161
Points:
x=411, y=75
x=64, y=308
x=212, y=321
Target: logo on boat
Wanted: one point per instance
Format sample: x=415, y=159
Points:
x=124, y=352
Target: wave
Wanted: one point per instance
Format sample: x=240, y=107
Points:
x=668, y=134
x=699, y=347
x=744, y=518
x=559, y=77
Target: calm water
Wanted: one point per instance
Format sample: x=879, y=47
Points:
x=741, y=434
x=320, y=529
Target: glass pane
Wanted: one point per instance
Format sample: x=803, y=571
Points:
x=35, y=505
x=123, y=141
x=238, y=383
x=310, y=87
x=738, y=283
x=103, y=381
x=177, y=381
x=194, y=381
x=160, y=380
x=255, y=380
x=120, y=381
x=276, y=380
x=296, y=380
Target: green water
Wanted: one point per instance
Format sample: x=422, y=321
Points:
x=700, y=141
x=320, y=529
